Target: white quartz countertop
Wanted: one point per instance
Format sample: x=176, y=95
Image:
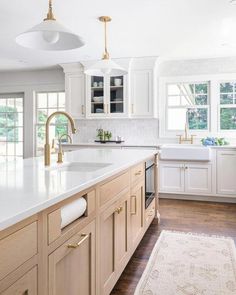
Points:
x=27, y=188
x=144, y=145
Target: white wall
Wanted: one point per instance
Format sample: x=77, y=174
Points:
x=197, y=67
x=30, y=82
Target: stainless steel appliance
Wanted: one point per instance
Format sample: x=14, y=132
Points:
x=149, y=182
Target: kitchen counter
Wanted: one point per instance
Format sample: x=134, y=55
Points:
x=27, y=187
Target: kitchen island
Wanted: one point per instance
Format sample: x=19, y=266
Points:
x=40, y=256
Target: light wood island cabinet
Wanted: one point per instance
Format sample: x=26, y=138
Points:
x=86, y=257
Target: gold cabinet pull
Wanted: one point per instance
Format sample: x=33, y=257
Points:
x=138, y=173
x=132, y=108
x=74, y=246
x=118, y=210
x=82, y=109
x=26, y=292
x=135, y=205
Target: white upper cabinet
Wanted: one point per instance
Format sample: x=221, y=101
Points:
x=143, y=88
x=75, y=90
x=129, y=96
x=226, y=172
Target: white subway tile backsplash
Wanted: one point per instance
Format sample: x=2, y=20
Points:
x=137, y=131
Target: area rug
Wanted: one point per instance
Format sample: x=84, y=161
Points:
x=190, y=264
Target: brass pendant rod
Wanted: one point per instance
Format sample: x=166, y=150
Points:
x=50, y=15
x=106, y=55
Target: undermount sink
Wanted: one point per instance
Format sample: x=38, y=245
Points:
x=78, y=167
x=185, y=152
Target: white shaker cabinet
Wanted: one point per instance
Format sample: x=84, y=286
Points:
x=226, y=172
x=198, y=178
x=185, y=177
x=75, y=90
x=171, y=177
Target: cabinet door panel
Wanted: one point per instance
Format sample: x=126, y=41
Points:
x=114, y=245
x=171, y=177
x=137, y=213
x=72, y=270
x=226, y=167
x=75, y=103
x=198, y=179
x=142, y=98
x=26, y=285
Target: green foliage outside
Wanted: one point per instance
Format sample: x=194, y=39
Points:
x=8, y=119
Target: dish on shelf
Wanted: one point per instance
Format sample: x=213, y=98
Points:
x=99, y=111
x=98, y=98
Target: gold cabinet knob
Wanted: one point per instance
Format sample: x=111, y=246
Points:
x=138, y=173
x=118, y=210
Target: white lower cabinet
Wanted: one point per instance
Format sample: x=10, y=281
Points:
x=198, y=178
x=171, y=177
x=226, y=173
x=185, y=177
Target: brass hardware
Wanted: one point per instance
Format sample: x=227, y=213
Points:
x=135, y=206
x=118, y=210
x=50, y=15
x=26, y=292
x=138, y=173
x=132, y=108
x=47, y=145
x=105, y=20
x=82, y=109
x=74, y=246
x=60, y=151
x=151, y=212
x=185, y=138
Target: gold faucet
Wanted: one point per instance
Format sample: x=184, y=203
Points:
x=185, y=138
x=47, y=148
x=60, y=151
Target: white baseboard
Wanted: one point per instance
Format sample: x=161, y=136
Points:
x=197, y=198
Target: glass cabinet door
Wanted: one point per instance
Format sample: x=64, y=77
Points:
x=97, y=95
x=116, y=95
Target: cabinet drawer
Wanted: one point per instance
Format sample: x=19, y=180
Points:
x=17, y=248
x=137, y=172
x=26, y=285
x=150, y=214
x=112, y=188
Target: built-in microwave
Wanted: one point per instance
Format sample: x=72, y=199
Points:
x=149, y=182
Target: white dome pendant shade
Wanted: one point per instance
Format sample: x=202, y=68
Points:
x=105, y=66
x=49, y=35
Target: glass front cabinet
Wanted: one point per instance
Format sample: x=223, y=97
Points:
x=106, y=96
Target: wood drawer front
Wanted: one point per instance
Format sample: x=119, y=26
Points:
x=137, y=172
x=54, y=218
x=26, y=285
x=112, y=188
x=150, y=214
x=17, y=248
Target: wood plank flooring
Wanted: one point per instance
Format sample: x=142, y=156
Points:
x=186, y=216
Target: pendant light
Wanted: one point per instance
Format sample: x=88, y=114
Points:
x=105, y=66
x=49, y=35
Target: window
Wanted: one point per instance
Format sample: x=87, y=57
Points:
x=188, y=103
x=46, y=104
x=11, y=126
x=228, y=106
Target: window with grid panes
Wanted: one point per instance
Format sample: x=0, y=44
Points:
x=188, y=103
x=11, y=126
x=46, y=104
x=228, y=105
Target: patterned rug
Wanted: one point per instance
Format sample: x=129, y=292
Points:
x=190, y=264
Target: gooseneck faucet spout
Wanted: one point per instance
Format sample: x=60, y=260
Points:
x=47, y=152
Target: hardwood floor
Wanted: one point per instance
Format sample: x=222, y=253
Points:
x=186, y=216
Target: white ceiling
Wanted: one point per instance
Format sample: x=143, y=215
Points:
x=167, y=28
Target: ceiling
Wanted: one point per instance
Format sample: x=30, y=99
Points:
x=173, y=29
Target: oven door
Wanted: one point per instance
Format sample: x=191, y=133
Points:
x=149, y=182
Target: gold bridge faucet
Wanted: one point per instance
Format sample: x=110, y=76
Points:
x=47, y=152
x=185, y=138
